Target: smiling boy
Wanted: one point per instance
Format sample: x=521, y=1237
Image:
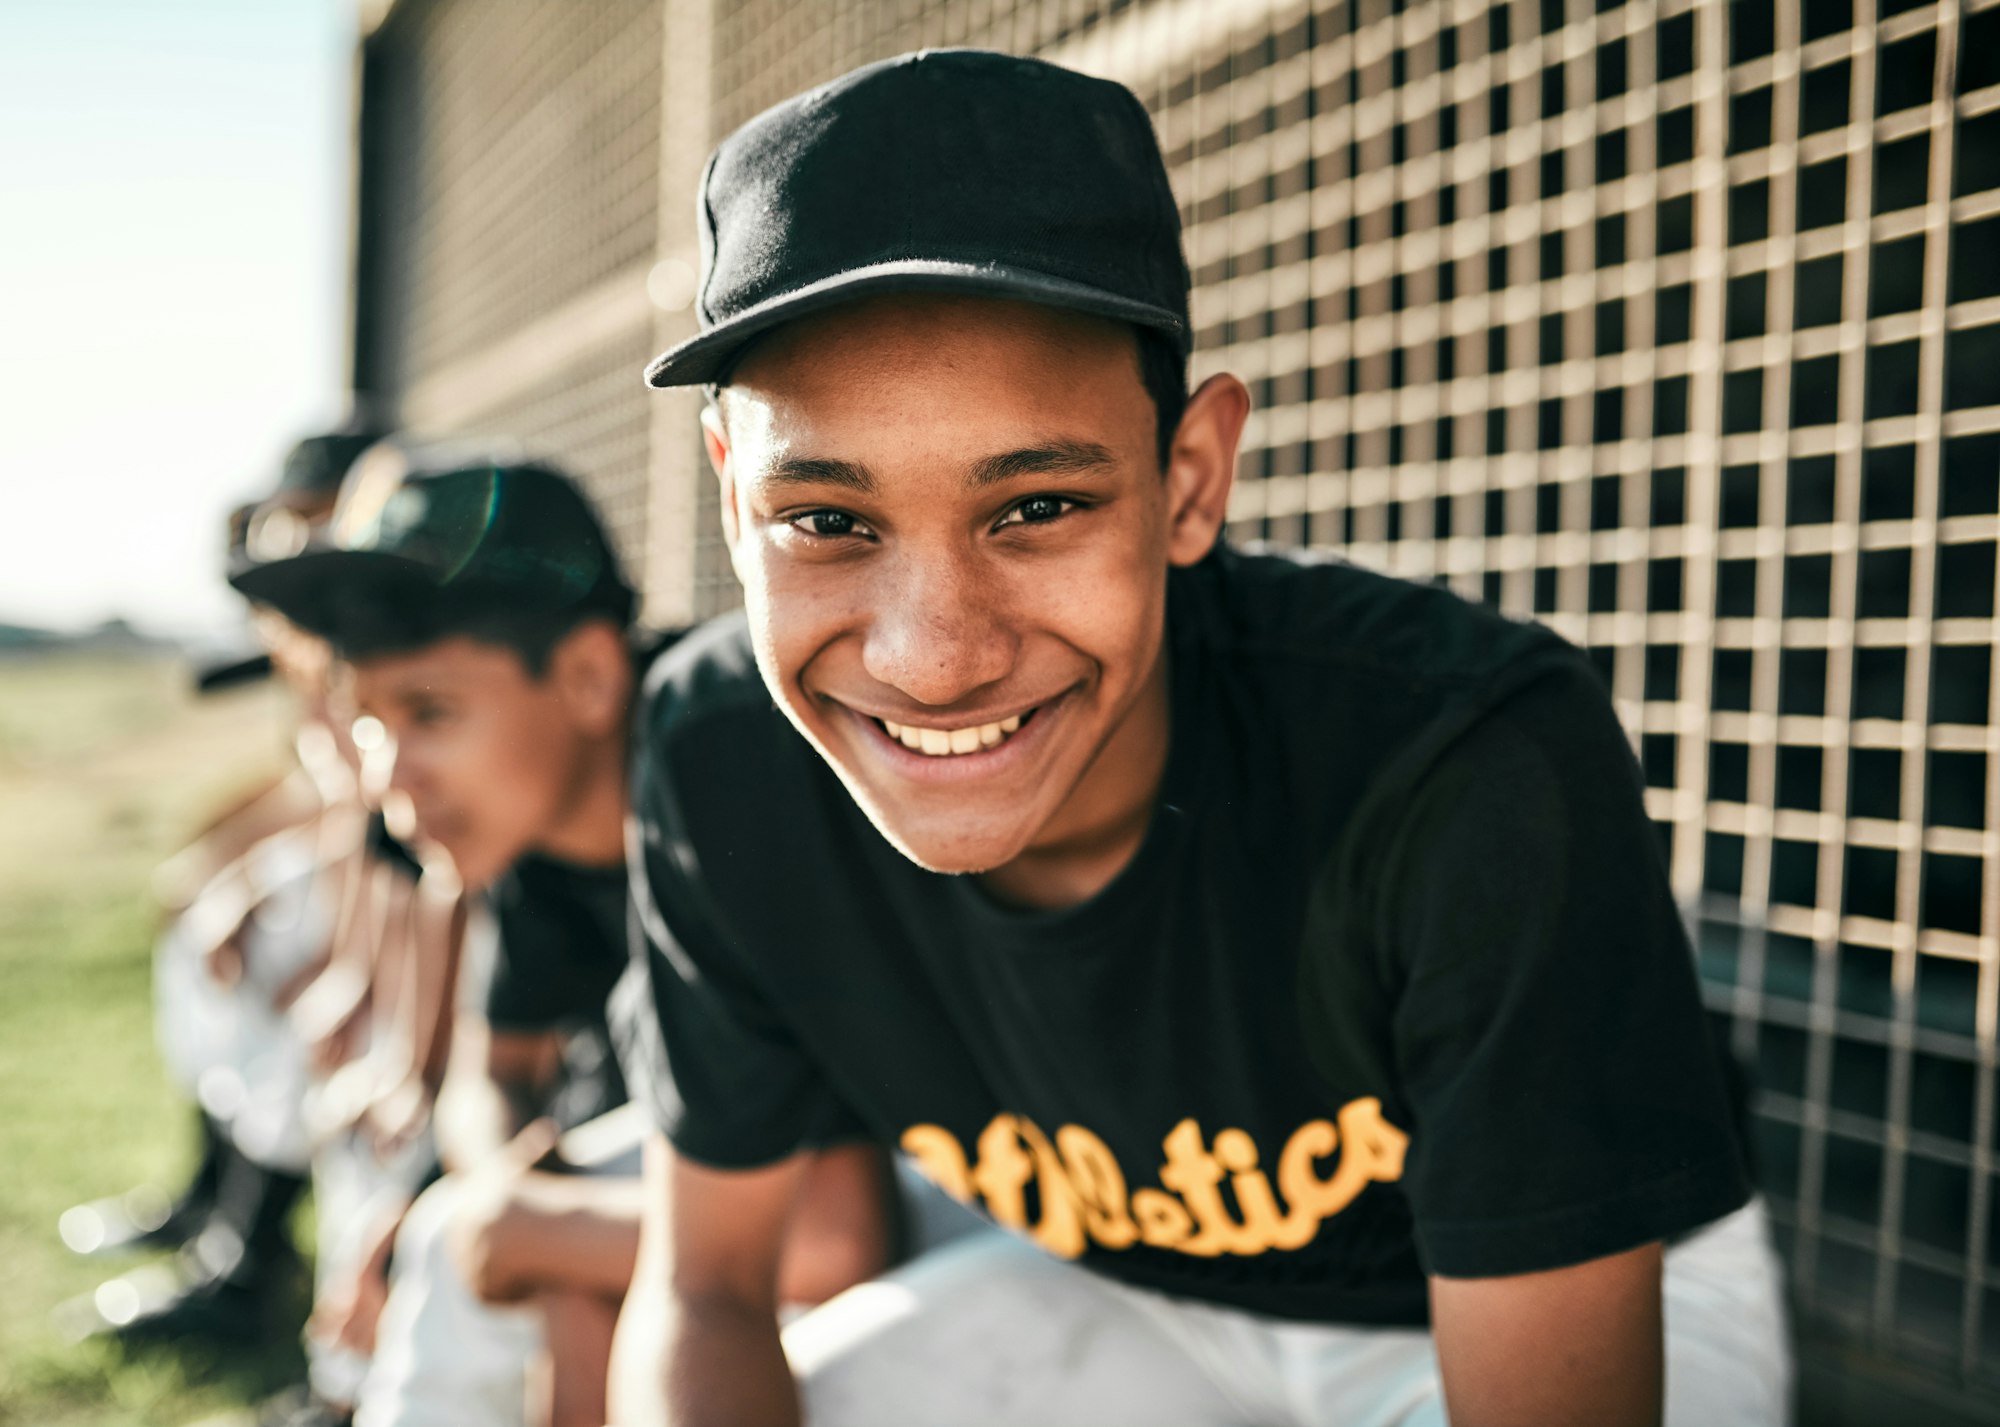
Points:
x=1281, y=952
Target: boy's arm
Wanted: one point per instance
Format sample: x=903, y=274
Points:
x=494, y=1084
x=697, y=1342
x=1567, y=1347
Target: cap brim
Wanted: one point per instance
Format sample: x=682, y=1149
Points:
x=708, y=356
x=311, y=590
x=224, y=674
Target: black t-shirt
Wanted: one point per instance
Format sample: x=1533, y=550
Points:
x=1394, y=984
x=561, y=949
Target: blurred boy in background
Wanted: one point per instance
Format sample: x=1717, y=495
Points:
x=243, y=935
x=303, y=993
x=489, y=633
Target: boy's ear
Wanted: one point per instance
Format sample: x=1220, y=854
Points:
x=592, y=674
x=1201, y=467
x=715, y=437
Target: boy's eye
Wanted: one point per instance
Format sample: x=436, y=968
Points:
x=830, y=524
x=1036, y=510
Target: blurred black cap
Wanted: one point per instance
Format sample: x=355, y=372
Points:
x=414, y=546
x=940, y=171
x=278, y=524
x=219, y=675
x=317, y=465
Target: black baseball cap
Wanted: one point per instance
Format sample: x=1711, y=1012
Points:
x=316, y=465
x=414, y=547
x=939, y=171
x=274, y=526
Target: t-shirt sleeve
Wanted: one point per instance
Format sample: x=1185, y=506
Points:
x=1567, y=1098
x=705, y=1049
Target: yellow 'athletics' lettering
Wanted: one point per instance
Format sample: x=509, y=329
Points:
x=1083, y=1195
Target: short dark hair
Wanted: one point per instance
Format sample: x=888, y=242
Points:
x=375, y=628
x=1162, y=371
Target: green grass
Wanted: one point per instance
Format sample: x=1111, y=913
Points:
x=106, y=766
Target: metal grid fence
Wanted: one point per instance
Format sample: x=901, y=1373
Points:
x=510, y=188
x=1675, y=325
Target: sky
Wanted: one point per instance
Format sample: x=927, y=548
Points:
x=173, y=281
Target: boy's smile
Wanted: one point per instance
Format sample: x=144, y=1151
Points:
x=953, y=534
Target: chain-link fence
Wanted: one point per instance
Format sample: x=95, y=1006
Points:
x=1674, y=325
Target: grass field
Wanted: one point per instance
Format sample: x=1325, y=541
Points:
x=106, y=765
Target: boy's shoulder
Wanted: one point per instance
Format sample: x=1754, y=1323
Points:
x=707, y=731
x=1342, y=687
x=1315, y=620
x=707, y=673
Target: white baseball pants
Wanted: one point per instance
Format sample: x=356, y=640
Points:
x=992, y=1332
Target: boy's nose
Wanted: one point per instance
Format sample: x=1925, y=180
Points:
x=936, y=634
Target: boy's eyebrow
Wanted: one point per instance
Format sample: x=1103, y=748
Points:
x=1050, y=458
x=1054, y=458
x=821, y=471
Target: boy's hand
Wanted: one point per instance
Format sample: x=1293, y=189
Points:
x=348, y=1310
x=491, y=1222
x=397, y=1116
x=533, y=1147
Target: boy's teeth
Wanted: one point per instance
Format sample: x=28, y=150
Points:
x=943, y=742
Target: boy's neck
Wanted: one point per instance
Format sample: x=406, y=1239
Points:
x=1100, y=829
x=591, y=830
